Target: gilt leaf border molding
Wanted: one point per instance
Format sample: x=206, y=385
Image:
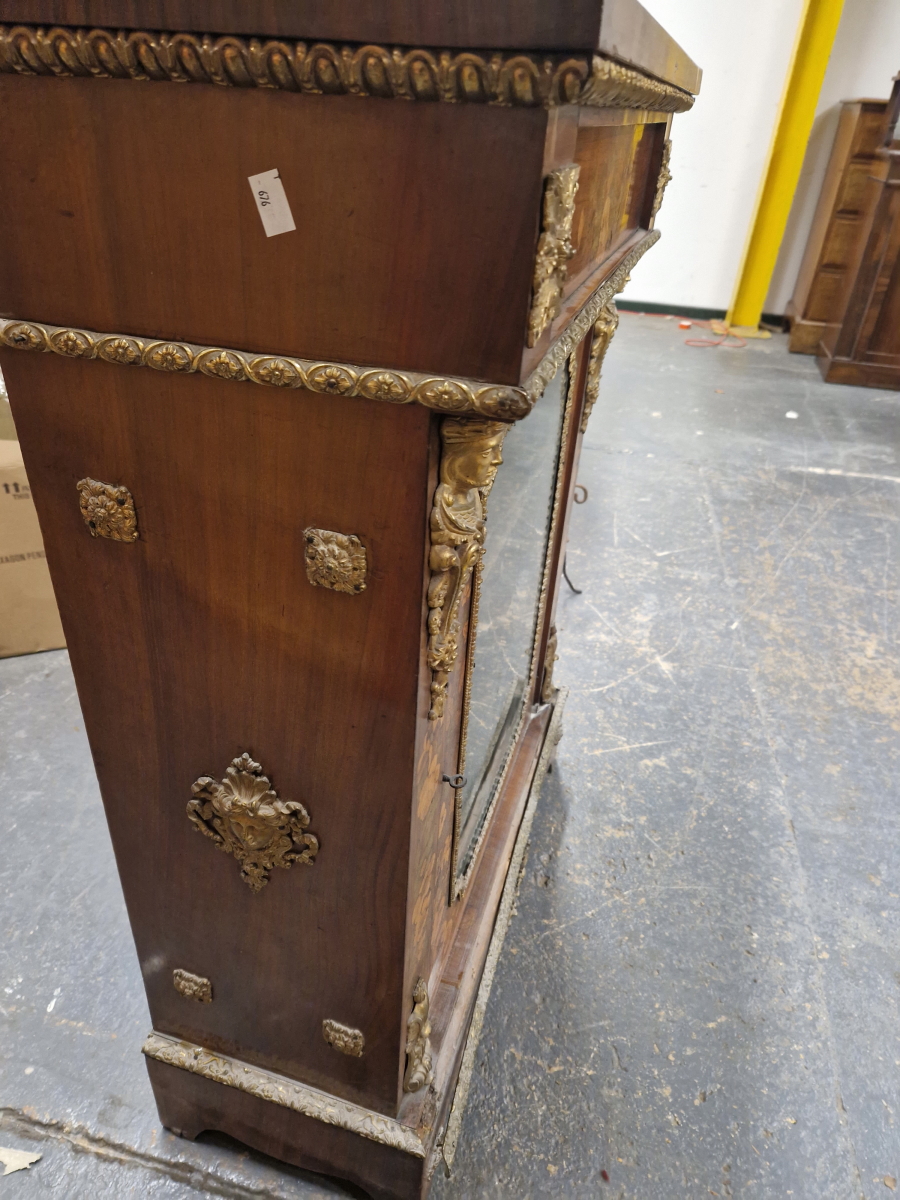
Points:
x=444, y=393
x=278, y=1089
x=450, y=76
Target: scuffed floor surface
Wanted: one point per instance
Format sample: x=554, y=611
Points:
x=699, y=990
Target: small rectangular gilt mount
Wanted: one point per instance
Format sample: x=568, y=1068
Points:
x=195, y=987
x=335, y=560
x=108, y=510
x=343, y=1038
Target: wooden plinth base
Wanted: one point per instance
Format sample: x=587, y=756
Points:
x=858, y=374
x=393, y=1159
x=188, y=1105
x=805, y=336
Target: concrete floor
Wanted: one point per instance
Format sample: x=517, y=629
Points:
x=699, y=991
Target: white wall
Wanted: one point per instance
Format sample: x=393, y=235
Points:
x=719, y=148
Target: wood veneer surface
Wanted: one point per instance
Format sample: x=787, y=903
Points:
x=126, y=208
x=203, y=640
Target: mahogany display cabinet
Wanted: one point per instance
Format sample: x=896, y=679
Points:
x=302, y=312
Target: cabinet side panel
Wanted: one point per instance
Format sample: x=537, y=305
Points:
x=204, y=639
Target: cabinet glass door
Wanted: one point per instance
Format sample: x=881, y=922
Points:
x=505, y=610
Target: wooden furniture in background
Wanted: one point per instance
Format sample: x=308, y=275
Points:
x=262, y=467
x=861, y=342
x=839, y=217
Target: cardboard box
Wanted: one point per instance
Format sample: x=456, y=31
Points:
x=29, y=618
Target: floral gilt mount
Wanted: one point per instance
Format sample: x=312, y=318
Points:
x=243, y=815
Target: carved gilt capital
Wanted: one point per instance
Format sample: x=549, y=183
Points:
x=665, y=178
x=419, y=1072
x=245, y=817
x=604, y=328
x=554, y=249
x=470, y=455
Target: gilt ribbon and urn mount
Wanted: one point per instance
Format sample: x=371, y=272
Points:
x=244, y=817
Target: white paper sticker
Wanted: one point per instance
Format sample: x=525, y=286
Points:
x=274, y=210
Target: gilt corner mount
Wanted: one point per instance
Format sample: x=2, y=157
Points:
x=419, y=1069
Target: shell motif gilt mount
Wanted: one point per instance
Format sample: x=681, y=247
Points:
x=244, y=816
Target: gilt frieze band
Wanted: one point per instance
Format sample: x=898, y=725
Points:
x=449, y=76
x=441, y=392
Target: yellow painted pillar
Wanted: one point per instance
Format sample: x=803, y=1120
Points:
x=792, y=129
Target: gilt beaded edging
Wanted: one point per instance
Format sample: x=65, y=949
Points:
x=441, y=392
x=278, y=1089
x=488, y=77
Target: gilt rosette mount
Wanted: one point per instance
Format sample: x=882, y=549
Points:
x=244, y=816
x=335, y=560
x=107, y=510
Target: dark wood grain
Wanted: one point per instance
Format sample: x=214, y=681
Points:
x=204, y=639
x=402, y=256
x=861, y=342
x=839, y=217
x=621, y=28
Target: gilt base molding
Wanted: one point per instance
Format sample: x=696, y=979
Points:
x=278, y=1089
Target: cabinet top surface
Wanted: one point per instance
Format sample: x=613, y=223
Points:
x=621, y=29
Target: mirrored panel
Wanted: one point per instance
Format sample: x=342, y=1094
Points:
x=505, y=607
